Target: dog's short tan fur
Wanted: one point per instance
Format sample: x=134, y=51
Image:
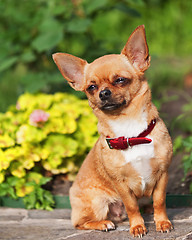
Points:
x=109, y=176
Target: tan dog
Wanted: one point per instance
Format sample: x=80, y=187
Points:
x=134, y=150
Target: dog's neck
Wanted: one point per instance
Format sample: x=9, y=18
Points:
x=135, y=118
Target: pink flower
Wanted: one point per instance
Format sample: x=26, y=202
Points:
x=38, y=117
x=18, y=106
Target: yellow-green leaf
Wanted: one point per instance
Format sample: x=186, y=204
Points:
x=27, y=133
x=22, y=189
x=2, y=177
x=4, y=162
x=17, y=170
x=6, y=141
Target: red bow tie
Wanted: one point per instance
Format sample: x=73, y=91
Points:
x=123, y=142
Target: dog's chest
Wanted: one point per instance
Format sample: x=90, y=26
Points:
x=139, y=156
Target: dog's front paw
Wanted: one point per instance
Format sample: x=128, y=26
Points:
x=138, y=230
x=164, y=226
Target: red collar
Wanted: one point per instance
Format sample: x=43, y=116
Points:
x=123, y=142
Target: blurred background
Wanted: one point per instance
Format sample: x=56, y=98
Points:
x=30, y=32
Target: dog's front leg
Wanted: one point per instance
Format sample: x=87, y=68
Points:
x=159, y=195
x=137, y=227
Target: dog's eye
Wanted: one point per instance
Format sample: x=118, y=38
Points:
x=92, y=87
x=120, y=80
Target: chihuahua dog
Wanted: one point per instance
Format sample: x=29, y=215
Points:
x=134, y=150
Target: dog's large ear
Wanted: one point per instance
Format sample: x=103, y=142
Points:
x=136, y=49
x=72, y=69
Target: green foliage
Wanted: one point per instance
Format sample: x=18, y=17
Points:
x=30, y=188
x=166, y=26
x=184, y=144
x=167, y=73
x=8, y=188
x=43, y=133
x=183, y=121
x=39, y=198
x=38, y=28
x=84, y=28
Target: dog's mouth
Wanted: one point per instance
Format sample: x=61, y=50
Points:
x=108, y=106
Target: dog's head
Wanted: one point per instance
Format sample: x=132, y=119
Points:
x=110, y=82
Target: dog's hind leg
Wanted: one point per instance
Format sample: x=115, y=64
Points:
x=103, y=225
x=91, y=211
x=87, y=218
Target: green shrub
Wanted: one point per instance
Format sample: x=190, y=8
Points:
x=39, y=28
x=183, y=143
x=43, y=133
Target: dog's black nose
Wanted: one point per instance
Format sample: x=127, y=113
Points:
x=105, y=94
